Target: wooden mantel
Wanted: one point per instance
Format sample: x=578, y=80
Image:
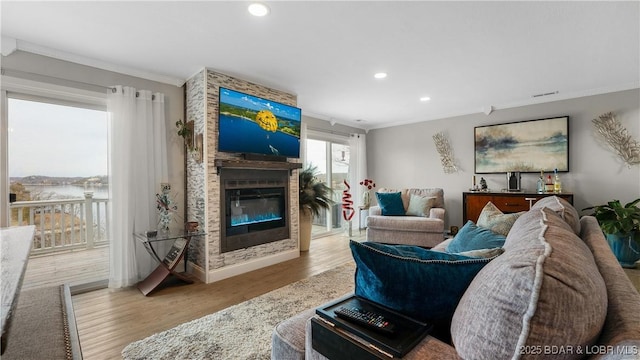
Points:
x=255, y=164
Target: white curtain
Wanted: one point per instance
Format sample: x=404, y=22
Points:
x=357, y=172
x=137, y=166
x=303, y=142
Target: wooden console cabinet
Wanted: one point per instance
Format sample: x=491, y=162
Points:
x=473, y=202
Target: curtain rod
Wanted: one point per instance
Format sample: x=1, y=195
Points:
x=4, y=71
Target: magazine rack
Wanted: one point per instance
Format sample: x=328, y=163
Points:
x=167, y=265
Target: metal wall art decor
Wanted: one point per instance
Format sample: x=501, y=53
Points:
x=618, y=138
x=446, y=154
x=525, y=146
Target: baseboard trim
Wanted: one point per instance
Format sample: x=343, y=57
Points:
x=237, y=269
x=197, y=272
x=87, y=287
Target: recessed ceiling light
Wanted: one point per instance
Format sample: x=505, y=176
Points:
x=380, y=75
x=425, y=98
x=258, y=9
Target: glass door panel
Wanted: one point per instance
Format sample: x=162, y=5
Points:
x=317, y=156
x=339, y=173
x=332, y=163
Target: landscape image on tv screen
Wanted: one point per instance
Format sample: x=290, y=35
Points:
x=250, y=124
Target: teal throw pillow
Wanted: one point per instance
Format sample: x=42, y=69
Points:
x=474, y=237
x=420, y=283
x=390, y=203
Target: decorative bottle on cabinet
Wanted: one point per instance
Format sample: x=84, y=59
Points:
x=557, y=185
x=548, y=187
x=540, y=185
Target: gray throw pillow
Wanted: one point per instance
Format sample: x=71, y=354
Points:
x=545, y=291
x=562, y=207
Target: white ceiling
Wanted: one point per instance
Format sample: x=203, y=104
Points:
x=466, y=56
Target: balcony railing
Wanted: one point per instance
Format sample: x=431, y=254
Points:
x=64, y=224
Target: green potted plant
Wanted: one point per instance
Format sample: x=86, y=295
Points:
x=621, y=226
x=185, y=130
x=315, y=196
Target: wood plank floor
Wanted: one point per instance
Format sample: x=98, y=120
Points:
x=634, y=276
x=109, y=319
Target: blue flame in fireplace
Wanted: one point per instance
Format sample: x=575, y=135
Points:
x=246, y=219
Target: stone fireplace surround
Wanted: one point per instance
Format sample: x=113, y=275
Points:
x=203, y=184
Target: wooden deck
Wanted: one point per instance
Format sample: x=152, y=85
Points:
x=71, y=267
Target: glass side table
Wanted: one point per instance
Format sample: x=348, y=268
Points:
x=167, y=265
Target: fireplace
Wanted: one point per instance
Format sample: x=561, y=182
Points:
x=255, y=205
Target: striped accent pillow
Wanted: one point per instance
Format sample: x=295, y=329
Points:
x=495, y=220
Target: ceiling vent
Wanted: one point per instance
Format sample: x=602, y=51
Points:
x=545, y=94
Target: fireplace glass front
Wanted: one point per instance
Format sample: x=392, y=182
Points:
x=254, y=210
x=254, y=216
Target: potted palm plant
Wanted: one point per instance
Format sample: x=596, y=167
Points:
x=621, y=226
x=315, y=196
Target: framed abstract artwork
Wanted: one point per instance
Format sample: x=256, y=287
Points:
x=524, y=146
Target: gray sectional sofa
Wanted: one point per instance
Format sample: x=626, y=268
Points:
x=557, y=292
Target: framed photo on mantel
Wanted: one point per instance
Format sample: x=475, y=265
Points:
x=524, y=146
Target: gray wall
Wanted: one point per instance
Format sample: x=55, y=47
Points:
x=323, y=125
x=69, y=74
x=405, y=156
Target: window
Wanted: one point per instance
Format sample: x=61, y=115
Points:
x=59, y=143
x=38, y=128
x=57, y=156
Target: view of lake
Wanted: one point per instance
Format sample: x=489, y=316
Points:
x=241, y=135
x=68, y=191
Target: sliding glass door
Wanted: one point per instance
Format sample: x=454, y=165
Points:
x=331, y=158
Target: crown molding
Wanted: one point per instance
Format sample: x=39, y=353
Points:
x=16, y=44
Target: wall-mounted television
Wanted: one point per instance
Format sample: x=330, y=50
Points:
x=249, y=124
x=524, y=146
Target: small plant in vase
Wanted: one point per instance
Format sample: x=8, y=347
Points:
x=185, y=130
x=368, y=185
x=193, y=141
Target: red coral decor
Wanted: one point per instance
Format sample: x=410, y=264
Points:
x=347, y=203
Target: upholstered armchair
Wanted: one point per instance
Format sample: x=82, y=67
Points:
x=421, y=223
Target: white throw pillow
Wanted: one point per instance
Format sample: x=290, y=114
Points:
x=420, y=205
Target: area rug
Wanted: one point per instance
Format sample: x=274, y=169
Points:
x=44, y=326
x=243, y=331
